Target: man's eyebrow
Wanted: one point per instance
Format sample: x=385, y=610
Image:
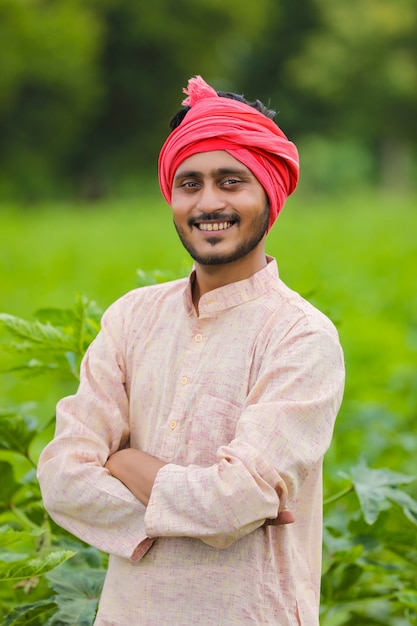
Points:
x=187, y=174
x=221, y=171
x=235, y=171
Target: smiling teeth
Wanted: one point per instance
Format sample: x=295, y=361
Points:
x=215, y=226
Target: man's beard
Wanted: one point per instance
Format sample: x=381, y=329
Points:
x=258, y=229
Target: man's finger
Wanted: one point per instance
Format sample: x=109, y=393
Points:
x=284, y=517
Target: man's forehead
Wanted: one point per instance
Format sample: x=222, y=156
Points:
x=214, y=163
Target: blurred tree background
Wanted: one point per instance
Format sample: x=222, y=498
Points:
x=87, y=87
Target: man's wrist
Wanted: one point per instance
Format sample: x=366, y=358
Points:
x=136, y=469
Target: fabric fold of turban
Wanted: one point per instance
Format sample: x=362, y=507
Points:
x=219, y=123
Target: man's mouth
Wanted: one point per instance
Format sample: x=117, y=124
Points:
x=210, y=226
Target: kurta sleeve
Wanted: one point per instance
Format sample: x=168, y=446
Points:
x=282, y=434
x=78, y=492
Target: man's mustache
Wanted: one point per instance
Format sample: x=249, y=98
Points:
x=213, y=217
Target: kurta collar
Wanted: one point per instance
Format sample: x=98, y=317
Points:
x=234, y=294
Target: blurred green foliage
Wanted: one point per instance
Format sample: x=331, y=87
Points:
x=87, y=86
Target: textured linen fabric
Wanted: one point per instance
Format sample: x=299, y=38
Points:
x=240, y=401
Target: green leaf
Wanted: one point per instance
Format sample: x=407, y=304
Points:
x=73, y=362
x=408, y=597
x=34, y=566
x=143, y=279
x=374, y=489
x=78, y=593
x=34, y=367
x=16, y=431
x=342, y=547
x=56, y=340
x=9, y=535
x=8, y=485
x=63, y=318
x=29, y=613
x=406, y=502
x=37, y=333
x=23, y=347
x=81, y=322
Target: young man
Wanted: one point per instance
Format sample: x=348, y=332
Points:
x=192, y=451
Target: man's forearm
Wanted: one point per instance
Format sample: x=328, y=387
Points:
x=137, y=470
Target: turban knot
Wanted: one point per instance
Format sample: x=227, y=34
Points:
x=219, y=123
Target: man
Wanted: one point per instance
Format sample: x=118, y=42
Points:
x=192, y=451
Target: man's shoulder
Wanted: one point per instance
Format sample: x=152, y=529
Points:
x=140, y=299
x=155, y=292
x=298, y=308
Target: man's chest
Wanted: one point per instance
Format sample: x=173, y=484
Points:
x=187, y=385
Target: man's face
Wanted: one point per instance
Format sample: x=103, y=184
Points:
x=220, y=209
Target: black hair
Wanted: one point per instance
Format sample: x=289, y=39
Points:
x=257, y=104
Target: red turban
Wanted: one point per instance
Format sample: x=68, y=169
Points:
x=218, y=123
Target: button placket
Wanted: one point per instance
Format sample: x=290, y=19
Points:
x=193, y=354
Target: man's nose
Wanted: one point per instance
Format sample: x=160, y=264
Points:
x=210, y=198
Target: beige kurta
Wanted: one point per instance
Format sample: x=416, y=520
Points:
x=240, y=401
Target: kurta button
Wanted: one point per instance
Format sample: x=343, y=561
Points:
x=184, y=380
x=198, y=337
x=173, y=424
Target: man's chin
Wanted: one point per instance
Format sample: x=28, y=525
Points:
x=217, y=258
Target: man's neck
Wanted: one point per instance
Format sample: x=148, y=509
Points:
x=209, y=277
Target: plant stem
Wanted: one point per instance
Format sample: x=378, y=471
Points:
x=27, y=523
x=339, y=495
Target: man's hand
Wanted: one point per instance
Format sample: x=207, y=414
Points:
x=136, y=469
x=284, y=517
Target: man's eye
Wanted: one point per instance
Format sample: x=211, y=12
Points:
x=189, y=184
x=231, y=181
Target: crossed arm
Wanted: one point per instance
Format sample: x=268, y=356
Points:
x=137, y=470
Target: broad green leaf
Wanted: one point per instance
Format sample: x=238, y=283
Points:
x=377, y=477
x=86, y=557
x=78, y=592
x=406, y=502
x=29, y=613
x=34, y=566
x=374, y=488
